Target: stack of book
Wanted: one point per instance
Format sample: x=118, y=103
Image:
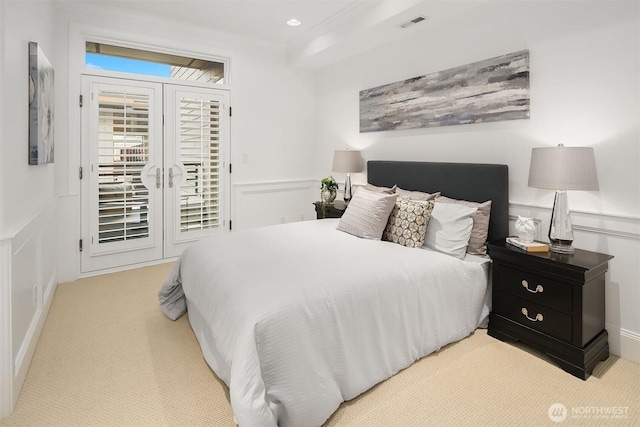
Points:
x=528, y=246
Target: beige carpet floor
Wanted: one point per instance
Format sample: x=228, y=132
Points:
x=108, y=357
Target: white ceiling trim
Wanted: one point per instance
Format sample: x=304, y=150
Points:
x=335, y=29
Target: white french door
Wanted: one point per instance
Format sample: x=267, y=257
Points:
x=195, y=165
x=149, y=190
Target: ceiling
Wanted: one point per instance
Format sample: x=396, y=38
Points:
x=331, y=29
x=259, y=19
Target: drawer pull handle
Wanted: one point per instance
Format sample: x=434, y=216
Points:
x=538, y=318
x=538, y=289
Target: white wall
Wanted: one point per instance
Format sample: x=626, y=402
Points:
x=272, y=126
x=28, y=216
x=28, y=188
x=287, y=122
x=584, y=91
x=2, y=66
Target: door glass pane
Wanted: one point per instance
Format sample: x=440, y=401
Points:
x=123, y=150
x=200, y=156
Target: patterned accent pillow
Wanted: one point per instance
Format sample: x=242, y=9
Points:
x=408, y=222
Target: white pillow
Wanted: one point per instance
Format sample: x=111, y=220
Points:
x=367, y=214
x=450, y=228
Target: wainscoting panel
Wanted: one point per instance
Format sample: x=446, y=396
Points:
x=616, y=235
x=268, y=203
x=6, y=359
x=27, y=283
x=25, y=290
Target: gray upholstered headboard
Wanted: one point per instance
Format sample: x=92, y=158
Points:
x=465, y=181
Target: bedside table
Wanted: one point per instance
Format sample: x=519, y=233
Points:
x=332, y=210
x=553, y=302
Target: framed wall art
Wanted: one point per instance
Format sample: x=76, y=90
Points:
x=485, y=91
x=41, y=107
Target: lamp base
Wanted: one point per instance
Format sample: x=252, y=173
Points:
x=561, y=248
x=560, y=230
x=347, y=189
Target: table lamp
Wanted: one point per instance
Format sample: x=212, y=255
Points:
x=562, y=168
x=347, y=161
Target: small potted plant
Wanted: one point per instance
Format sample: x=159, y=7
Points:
x=328, y=187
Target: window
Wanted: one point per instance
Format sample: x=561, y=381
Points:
x=128, y=60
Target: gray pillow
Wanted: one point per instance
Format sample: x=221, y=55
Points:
x=375, y=188
x=450, y=228
x=367, y=214
x=415, y=195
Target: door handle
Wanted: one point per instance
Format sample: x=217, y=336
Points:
x=158, y=178
x=170, y=177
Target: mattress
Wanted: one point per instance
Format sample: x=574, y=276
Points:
x=297, y=318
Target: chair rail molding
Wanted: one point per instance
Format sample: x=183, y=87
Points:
x=602, y=223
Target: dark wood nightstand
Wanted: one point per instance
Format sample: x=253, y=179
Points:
x=553, y=302
x=331, y=210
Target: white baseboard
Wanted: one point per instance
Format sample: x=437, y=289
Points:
x=23, y=360
x=630, y=345
x=126, y=267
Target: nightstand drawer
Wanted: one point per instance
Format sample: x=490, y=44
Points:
x=537, y=289
x=561, y=311
x=532, y=315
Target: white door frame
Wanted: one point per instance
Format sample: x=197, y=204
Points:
x=165, y=241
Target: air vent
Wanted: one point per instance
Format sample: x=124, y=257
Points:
x=414, y=21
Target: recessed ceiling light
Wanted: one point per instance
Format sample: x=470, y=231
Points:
x=293, y=22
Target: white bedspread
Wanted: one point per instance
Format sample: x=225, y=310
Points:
x=298, y=318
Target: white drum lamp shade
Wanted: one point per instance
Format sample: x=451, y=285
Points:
x=562, y=168
x=347, y=161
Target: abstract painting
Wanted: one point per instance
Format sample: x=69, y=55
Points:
x=485, y=91
x=40, y=107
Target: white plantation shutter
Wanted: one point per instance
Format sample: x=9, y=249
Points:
x=123, y=151
x=199, y=153
x=154, y=169
x=197, y=124
x=122, y=154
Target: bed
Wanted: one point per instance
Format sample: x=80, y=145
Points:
x=297, y=318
